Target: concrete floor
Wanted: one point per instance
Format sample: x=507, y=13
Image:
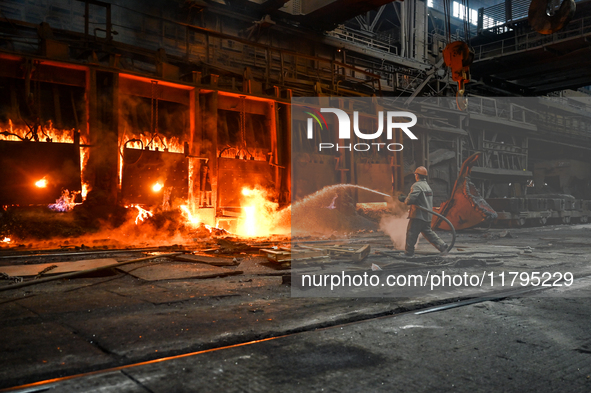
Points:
x=540, y=341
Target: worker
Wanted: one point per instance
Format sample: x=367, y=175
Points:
x=419, y=220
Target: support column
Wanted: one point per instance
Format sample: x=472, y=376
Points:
x=102, y=91
x=194, y=164
x=284, y=150
x=272, y=122
x=209, y=110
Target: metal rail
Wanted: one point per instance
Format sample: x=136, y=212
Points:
x=533, y=40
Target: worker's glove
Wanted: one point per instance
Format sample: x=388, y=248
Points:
x=402, y=198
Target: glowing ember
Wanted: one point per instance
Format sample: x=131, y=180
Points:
x=41, y=183
x=157, y=187
x=191, y=218
x=142, y=214
x=6, y=240
x=66, y=202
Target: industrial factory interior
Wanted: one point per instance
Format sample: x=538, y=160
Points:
x=295, y=195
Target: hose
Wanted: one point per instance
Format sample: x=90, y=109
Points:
x=453, y=230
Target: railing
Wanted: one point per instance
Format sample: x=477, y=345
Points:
x=496, y=18
x=574, y=125
x=349, y=35
x=502, y=109
x=577, y=28
x=502, y=13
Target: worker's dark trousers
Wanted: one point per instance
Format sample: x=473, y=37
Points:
x=414, y=228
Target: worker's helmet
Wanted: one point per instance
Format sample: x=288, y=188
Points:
x=421, y=171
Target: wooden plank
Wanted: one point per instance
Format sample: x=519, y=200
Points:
x=355, y=253
x=276, y=256
x=306, y=254
x=62, y=267
x=207, y=259
x=295, y=255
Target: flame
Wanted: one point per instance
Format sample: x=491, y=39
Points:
x=41, y=183
x=45, y=133
x=237, y=153
x=84, y=190
x=250, y=221
x=157, y=187
x=258, y=213
x=6, y=240
x=83, y=163
x=190, y=217
x=142, y=213
x=162, y=143
x=66, y=202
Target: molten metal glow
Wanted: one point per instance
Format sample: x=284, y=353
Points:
x=157, y=187
x=6, y=240
x=41, y=183
x=142, y=214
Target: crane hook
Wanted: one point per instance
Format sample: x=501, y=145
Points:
x=543, y=22
x=458, y=56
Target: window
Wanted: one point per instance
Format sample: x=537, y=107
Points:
x=459, y=11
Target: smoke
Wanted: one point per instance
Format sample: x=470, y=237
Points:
x=395, y=228
x=332, y=209
x=394, y=224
